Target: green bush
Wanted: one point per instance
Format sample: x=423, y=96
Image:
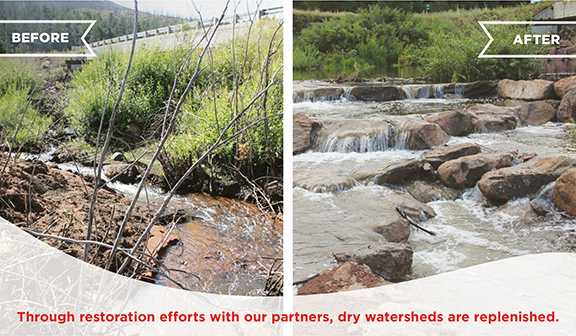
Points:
x=34, y=125
x=146, y=92
x=17, y=74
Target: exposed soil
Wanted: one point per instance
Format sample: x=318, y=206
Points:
x=49, y=200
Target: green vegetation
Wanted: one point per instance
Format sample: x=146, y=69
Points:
x=443, y=45
x=232, y=75
x=17, y=81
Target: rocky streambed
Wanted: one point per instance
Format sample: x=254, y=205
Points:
x=488, y=167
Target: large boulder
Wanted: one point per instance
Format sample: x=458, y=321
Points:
x=419, y=134
x=564, y=192
x=344, y=277
x=481, y=89
x=426, y=191
x=441, y=154
x=391, y=261
x=378, y=93
x=523, y=179
x=464, y=172
x=492, y=118
x=567, y=108
x=537, y=89
x=302, y=131
x=561, y=86
x=401, y=172
x=456, y=123
x=535, y=113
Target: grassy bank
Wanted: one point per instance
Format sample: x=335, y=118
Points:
x=443, y=45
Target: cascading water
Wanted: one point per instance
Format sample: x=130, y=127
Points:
x=468, y=230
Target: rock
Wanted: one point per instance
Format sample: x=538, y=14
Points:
x=567, y=108
x=420, y=134
x=320, y=181
x=464, y=172
x=553, y=102
x=378, y=93
x=561, y=85
x=491, y=118
x=537, y=89
x=125, y=174
x=441, y=154
x=358, y=135
x=401, y=172
x=345, y=277
x=481, y=89
x=523, y=179
x=535, y=113
x=302, y=130
x=397, y=231
x=425, y=191
x=391, y=261
x=524, y=211
x=455, y=123
x=317, y=94
x=564, y=192
x=118, y=157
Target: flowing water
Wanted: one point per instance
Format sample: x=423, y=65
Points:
x=226, y=245
x=335, y=198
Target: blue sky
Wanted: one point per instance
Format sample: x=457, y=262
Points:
x=185, y=8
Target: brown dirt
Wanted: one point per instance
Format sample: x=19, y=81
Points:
x=49, y=200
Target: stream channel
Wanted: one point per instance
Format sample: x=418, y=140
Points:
x=335, y=211
x=226, y=242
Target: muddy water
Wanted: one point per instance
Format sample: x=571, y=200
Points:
x=469, y=231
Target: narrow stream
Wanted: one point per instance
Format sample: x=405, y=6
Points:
x=331, y=200
x=227, y=243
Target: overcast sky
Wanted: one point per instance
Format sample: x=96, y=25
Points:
x=208, y=9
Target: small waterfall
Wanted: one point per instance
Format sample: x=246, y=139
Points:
x=438, y=91
x=402, y=140
x=459, y=89
x=423, y=92
x=360, y=144
x=347, y=96
x=408, y=91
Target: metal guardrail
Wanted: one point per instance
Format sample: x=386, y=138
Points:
x=191, y=24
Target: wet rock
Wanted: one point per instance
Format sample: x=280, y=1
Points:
x=455, y=123
x=464, y=172
x=523, y=157
x=397, y=231
x=535, y=113
x=378, y=93
x=179, y=216
x=126, y=174
x=345, y=277
x=359, y=135
x=537, y=89
x=320, y=181
x=441, y=154
x=567, y=108
x=561, y=86
x=553, y=102
x=491, y=118
x=425, y=191
x=422, y=135
x=564, y=192
x=523, y=179
x=391, y=261
x=401, y=172
x=523, y=211
x=481, y=89
x=302, y=130
x=118, y=157
x=317, y=94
